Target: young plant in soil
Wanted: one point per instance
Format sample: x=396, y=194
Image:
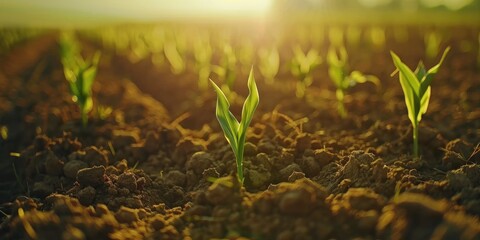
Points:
x=302, y=67
x=226, y=71
x=417, y=90
x=269, y=63
x=203, y=56
x=234, y=131
x=432, y=41
x=338, y=71
x=80, y=74
x=174, y=57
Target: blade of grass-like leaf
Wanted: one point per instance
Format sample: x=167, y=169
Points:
x=435, y=68
x=250, y=105
x=409, y=98
x=410, y=77
x=88, y=76
x=427, y=79
x=226, y=119
x=424, y=103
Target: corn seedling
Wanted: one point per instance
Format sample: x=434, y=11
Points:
x=269, y=63
x=226, y=71
x=234, y=131
x=302, y=67
x=377, y=37
x=174, y=57
x=203, y=56
x=336, y=36
x=432, y=41
x=417, y=91
x=338, y=71
x=80, y=74
x=245, y=54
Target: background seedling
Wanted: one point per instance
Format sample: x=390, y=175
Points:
x=80, y=74
x=174, y=57
x=203, y=57
x=226, y=71
x=302, y=67
x=417, y=90
x=432, y=41
x=234, y=131
x=269, y=63
x=338, y=71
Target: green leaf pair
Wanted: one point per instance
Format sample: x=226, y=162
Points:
x=234, y=131
x=338, y=71
x=80, y=74
x=416, y=89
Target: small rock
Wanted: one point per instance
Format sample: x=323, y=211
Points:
x=91, y=176
x=323, y=157
x=176, y=177
x=158, y=222
x=286, y=158
x=256, y=178
x=126, y=215
x=288, y=170
x=86, y=195
x=127, y=180
x=263, y=159
x=95, y=157
x=71, y=168
x=250, y=149
x=310, y=166
x=199, y=162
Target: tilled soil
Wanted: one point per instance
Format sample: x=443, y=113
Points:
x=158, y=166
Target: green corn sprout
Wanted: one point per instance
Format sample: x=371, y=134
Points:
x=80, y=74
x=234, y=131
x=432, y=44
x=417, y=91
x=174, y=57
x=226, y=68
x=269, y=63
x=339, y=73
x=377, y=37
x=302, y=67
x=203, y=56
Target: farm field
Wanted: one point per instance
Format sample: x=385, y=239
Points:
x=329, y=152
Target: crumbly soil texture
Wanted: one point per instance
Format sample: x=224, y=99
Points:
x=153, y=162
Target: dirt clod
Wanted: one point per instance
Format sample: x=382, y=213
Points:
x=71, y=168
x=91, y=176
x=86, y=195
x=127, y=180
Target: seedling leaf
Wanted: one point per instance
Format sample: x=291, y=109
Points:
x=417, y=91
x=234, y=131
